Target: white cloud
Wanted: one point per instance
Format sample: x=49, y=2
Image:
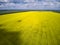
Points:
x=1, y=0
x=35, y=5
x=4, y=0
x=29, y=0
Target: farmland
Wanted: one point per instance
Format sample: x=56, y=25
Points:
x=30, y=28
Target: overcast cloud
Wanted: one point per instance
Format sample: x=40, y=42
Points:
x=35, y=5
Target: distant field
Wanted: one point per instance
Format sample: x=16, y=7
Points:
x=30, y=28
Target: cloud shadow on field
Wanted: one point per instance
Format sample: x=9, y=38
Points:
x=2, y=12
x=1, y=25
x=10, y=38
x=57, y=11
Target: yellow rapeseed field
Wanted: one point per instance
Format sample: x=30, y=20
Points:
x=35, y=27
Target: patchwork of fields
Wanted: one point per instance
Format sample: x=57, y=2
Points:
x=30, y=28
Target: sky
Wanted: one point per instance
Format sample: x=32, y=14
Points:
x=26, y=0
x=32, y=4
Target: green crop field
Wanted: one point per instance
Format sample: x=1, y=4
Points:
x=30, y=28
